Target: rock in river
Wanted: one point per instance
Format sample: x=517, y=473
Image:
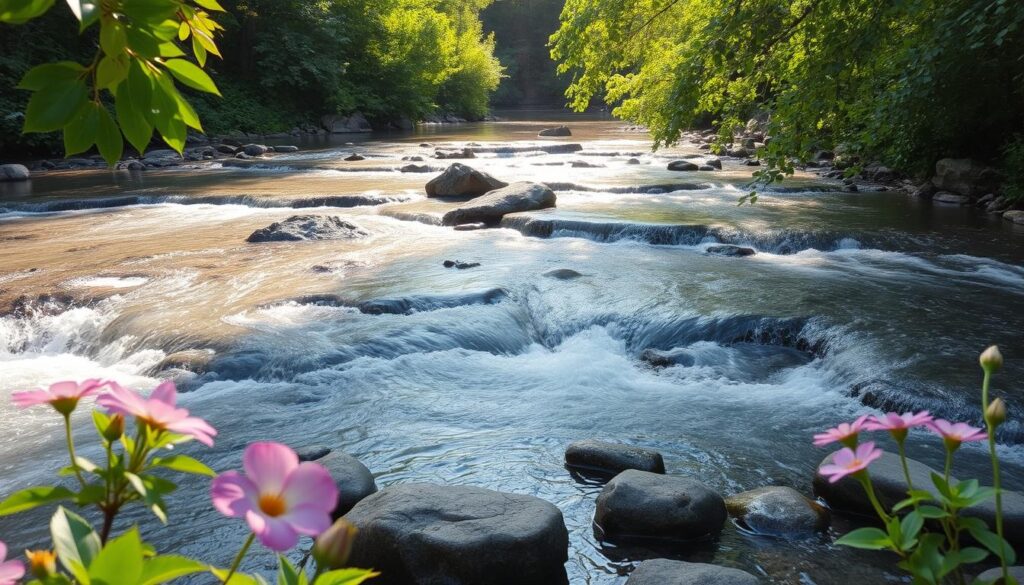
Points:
x=730, y=250
x=953, y=198
x=612, y=458
x=490, y=208
x=254, y=149
x=556, y=131
x=666, y=572
x=458, y=180
x=682, y=165
x=13, y=172
x=562, y=273
x=649, y=505
x=420, y=533
x=1015, y=216
x=307, y=227
x=777, y=511
x=354, y=480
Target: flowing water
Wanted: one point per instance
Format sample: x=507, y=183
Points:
x=490, y=372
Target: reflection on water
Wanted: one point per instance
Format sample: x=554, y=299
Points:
x=107, y=273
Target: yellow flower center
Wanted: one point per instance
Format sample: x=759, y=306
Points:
x=272, y=505
x=42, y=563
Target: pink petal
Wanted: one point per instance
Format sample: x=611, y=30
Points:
x=274, y=533
x=11, y=571
x=308, y=519
x=30, y=398
x=233, y=494
x=120, y=400
x=268, y=464
x=834, y=473
x=844, y=457
x=165, y=392
x=310, y=484
x=65, y=389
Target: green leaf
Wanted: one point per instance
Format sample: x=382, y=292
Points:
x=101, y=421
x=910, y=526
x=991, y=541
x=931, y=512
x=79, y=136
x=111, y=72
x=351, y=576
x=108, y=138
x=183, y=31
x=120, y=561
x=76, y=543
x=169, y=50
x=184, y=464
x=52, y=107
x=972, y=554
x=238, y=578
x=199, y=52
x=113, y=37
x=166, y=115
x=20, y=11
x=34, y=497
x=164, y=568
x=51, y=74
x=128, y=103
x=210, y=5
x=191, y=75
x=287, y=574
x=91, y=494
x=941, y=485
x=866, y=538
x=152, y=490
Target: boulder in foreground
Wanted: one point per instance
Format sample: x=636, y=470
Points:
x=777, y=511
x=458, y=180
x=666, y=572
x=640, y=504
x=612, y=458
x=307, y=227
x=354, y=480
x=490, y=208
x=421, y=533
x=13, y=172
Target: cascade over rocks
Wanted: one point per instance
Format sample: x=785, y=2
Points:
x=421, y=533
x=458, y=180
x=490, y=208
x=354, y=480
x=891, y=487
x=13, y=172
x=612, y=458
x=965, y=177
x=641, y=504
x=307, y=227
x=777, y=511
x=666, y=572
x=556, y=131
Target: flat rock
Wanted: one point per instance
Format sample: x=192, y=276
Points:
x=411, y=168
x=729, y=250
x=682, y=165
x=777, y=511
x=307, y=227
x=1014, y=215
x=13, y=172
x=354, y=480
x=458, y=180
x=640, y=504
x=951, y=198
x=612, y=458
x=666, y=572
x=562, y=273
x=254, y=149
x=421, y=533
x=459, y=264
x=891, y=487
x=490, y=208
x=469, y=227
x=286, y=148
x=556, y=131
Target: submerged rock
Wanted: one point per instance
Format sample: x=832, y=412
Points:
x=730, y=250
x=464, y=153
x=633, y=161
x=562, y=274
x=191, y=360
x=355, y=157
x=354, y=480
x=416, y=303
x=777, y=511
x=666, y=572
x=415, y=169
x=682, y=165
x=952, y=198
x=556, y=131
x=459, y=535
x=460, y=264
x=612, y=458
x=664, y=359
x=307, y=227
x=641, y=504
x=1014, y=215
x=582, y=164
x=490, y=208
x=313, y=452
x=458, y=180
x=286, y=148
x=13, y=172
x=469, y=227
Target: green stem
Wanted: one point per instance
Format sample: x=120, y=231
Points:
x=995, y=474
x=869, y=489
x=71, y=449
x=906, y=469
x=239, y=557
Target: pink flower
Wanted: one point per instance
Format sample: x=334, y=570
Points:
x=10, y=571
x=159, y=411
x=955, y=433
x=898, y=424
x=279, y=497
x=63, y=396
x=847, y=461
x=845, y=433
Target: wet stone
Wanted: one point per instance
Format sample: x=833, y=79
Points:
x=640, y=504
x=612, y=458
x=353, y=479
x=777, y=511
x=666, y=572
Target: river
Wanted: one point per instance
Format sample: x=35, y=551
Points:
x=103, y=274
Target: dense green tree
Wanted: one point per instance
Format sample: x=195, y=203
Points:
x=902, y=81
x=521, y=29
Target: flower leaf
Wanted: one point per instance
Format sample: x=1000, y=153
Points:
x=76, y=543
x=350, y=576
x=163, y=568
x=866, y=538
x=184, y=464
x=34, y=497
x=120, y=561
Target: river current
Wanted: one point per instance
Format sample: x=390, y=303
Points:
x=853, y=302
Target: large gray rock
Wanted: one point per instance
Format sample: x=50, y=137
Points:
x=891, y=487
x=346, y=124
x=1014, y=215
x=666, y=572
x=354, y=480
x=459, y=535
x=612, y=458
x=458, y=180
x=965, y=177
x=490, y=208
x=13, y=172
x=556, y=131
x=649, y=505
x=997, y=573
x=307, y=227
x=682, y=165
x=777, y=511
x=730, y=250
x=255, y=149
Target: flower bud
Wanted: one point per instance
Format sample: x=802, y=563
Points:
x=991, y=360
x=42, y=563
x=995, y=414
x=114, y=429
x=334, y=545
